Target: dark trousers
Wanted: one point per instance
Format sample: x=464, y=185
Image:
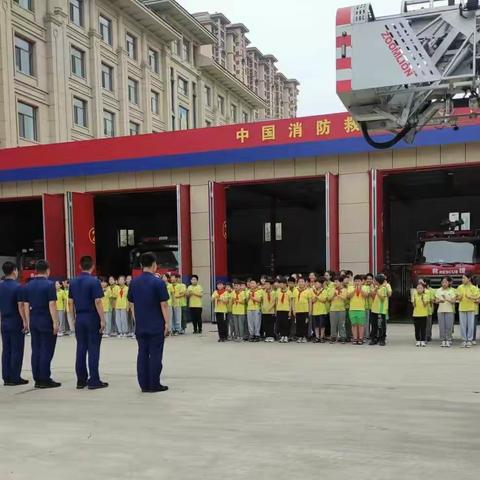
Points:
x=196, y=317
x=43, y=349
x=378, y=327
x=89, y=340
x=301, y=322
x=185, y=317
x=13, y=343
x=420, y=328
x=268, y=324
x=222, y=324
x=348, y=325
x=283, y=324
x=327, y=326
x=149, y=360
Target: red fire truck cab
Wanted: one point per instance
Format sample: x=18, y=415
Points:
x=449, y=253
x=165, y=249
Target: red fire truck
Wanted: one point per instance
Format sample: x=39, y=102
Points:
x=27, y=258
x=165, y=249
x=446, y=253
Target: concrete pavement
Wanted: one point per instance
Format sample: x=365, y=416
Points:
x=252, y=411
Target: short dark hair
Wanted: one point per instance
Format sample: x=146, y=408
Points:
x=380, y=278
x=194, y=276
x=86, y=262
x=8, y=268
x=147, y=259
x=42, y=266
x=292, y=279
x=369, y=275
x=358, y=277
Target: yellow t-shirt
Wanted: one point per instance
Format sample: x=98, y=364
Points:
x=194, y=301
x=121, y=301
x=380, y=302
x=420, y=307
x=60, y=300
x=359, y=300
x=220, y=300
x=301, y=300
x=106, y=301
x=467, y=305
x=178, y=296
x=257, y=295
x=320, y=302
x=283, y=300
x=338, y=301
x=238, y=301
x=268, y=302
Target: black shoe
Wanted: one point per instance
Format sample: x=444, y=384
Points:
x=97, y=387
x=48, y=384
x=372, y=342
x=161, y=388
x=22, y=381
x=382, y=343
x=81, y=385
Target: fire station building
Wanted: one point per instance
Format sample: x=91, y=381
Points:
x=270, y=197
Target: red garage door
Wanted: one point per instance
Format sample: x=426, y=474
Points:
x=81, y=229
x=54, y=234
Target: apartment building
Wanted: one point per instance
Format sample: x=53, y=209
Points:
x=251, y=66
x=81, y=69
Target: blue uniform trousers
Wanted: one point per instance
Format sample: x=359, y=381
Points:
x=149, y=360
x=12, y=355
x=89, y=339
x=43, y=349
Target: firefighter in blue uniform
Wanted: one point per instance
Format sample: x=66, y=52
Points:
x=148, y=296
x=41, y=315
x=86, y=305
x=13, y=326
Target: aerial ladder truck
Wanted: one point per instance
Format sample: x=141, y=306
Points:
x=398, y=74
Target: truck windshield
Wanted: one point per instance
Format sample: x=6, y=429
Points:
x=447, y=251
x=166, y=259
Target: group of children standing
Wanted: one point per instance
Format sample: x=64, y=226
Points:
x=341, y=307
x=424, y=299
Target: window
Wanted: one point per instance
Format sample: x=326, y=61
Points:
x=27, y=121
x=26, y=4
x=76, y=12
x=134, y=128
x=182, y=86
x=131, y=44
x=176, y=47
x=221, y=104
x=153, y=60
x=183, y=118
x=105, y=27
x=233, y=113
x=78, y=62
x=126, y=237
x=80, y=112
x=133, y=91
x=245, y=117
x=208, y=96
x=186, y=50
x=23, y=55
x=155, y=102
x=108, y=123
x=107, y=77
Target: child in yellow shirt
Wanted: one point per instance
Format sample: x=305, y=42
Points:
x=358, y=294
x=421, y=302
x=320, y=295
x=254, y=314
x=338, y=298
x=268, y=311
x=238, y=300
x=283, y=308
x=221, y=299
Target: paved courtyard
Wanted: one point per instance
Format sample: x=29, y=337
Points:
x=253, y=411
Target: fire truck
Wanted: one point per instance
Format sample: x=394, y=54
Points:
x=401, y=73
x=165, y=249
x=449, y=252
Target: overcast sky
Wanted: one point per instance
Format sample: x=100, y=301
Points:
x=301, y=34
